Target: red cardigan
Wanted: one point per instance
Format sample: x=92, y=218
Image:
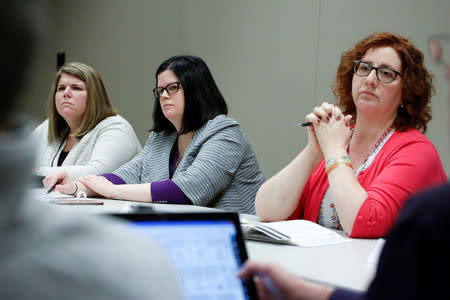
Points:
x=406, y=164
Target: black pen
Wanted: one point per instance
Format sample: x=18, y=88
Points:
x=52, y=188
x=304, y=124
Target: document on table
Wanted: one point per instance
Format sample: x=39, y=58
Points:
x=294, y=232
x=41, y=194
x=63, y=199
x=376, y=252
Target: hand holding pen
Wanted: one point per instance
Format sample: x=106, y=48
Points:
x=328, y=129
x=323, y=113
x=52, y=188
x=54, y=179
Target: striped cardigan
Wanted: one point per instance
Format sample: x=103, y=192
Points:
x=218, y=168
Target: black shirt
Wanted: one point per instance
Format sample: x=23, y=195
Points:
x=62, y=157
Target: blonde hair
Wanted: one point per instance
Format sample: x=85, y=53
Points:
x=98, y=105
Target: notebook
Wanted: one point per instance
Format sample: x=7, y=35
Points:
x=293, y=232
x=206, y=250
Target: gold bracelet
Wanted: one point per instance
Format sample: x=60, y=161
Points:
x=333, y=161
x=336, y=163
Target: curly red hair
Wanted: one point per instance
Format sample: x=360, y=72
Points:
x=417, y=81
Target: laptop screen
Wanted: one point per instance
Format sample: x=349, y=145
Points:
x=206, y=251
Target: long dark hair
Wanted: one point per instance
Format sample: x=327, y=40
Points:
x=203, y=100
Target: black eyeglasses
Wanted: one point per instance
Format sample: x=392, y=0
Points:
x=384, y=74
x=171, y=88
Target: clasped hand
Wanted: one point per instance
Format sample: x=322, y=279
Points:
x=330, y=129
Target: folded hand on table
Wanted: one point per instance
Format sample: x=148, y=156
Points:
x=97, y=184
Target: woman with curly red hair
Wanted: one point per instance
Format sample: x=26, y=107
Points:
x=366, y=154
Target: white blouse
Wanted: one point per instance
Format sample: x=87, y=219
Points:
x=103, y=149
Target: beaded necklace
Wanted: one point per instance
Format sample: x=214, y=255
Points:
x=374, y=148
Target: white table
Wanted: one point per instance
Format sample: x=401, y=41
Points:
x=344, y=265
x=117, y=206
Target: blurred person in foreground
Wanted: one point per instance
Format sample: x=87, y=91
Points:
x=49, y=255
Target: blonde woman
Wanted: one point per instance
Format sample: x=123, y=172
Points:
x=83, y=133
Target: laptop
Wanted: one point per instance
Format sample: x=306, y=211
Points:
x=205, y=249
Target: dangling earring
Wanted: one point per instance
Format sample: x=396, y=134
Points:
x=402, y=106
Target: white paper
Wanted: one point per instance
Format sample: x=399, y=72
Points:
x=243, y=221
x=41, y=194
x=375, y=254
x=305, y=233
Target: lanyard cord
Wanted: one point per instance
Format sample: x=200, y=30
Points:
x=60, y=145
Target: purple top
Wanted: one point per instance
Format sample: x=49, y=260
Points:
x=164, y=191
x=113, y=178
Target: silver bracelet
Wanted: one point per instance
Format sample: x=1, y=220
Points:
x=76, y=189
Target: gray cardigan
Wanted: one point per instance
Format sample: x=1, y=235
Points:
x=218, y=169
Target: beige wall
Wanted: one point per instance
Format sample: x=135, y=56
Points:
x=273, y=60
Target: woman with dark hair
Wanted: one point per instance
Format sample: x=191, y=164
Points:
x=82, y=127
x=195, y=154
x=367, y=154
